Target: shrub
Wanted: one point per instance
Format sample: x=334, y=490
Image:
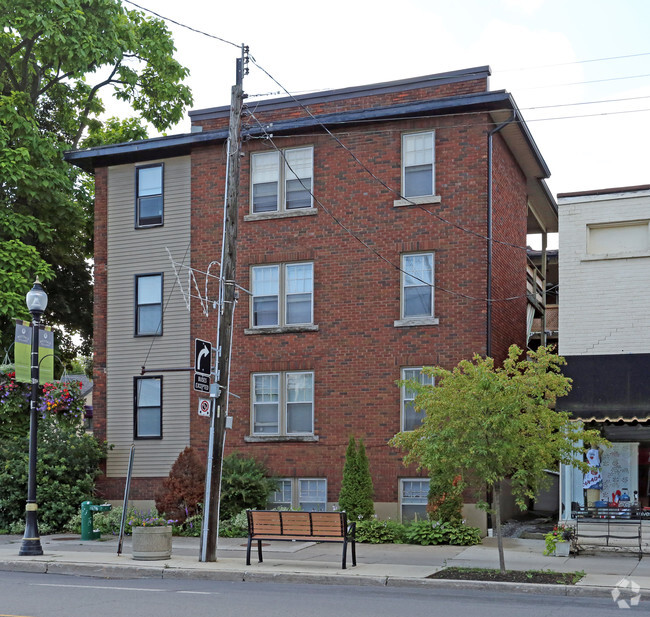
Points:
x=235, y=527
x=426, y=533
x=244, y=485
x=374, y=531
x=183, y=490
x=67, y=465
x=106, y=522
x=356, y=487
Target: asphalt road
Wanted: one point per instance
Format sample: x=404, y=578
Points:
x=48, y=595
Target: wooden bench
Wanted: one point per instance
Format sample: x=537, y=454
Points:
x=307, y=526
x=607, y=524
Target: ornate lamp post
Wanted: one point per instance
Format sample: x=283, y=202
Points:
x=36, y=303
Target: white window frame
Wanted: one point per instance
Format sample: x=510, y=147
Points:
x=427, y=161
x=283, y=403
x=405, y=393
x=283, y=295
x=416, y=320
x=410, y=501
x=296, y=492
x=283, y=174
x=138, y=304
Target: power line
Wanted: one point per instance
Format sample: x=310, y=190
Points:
x=364, y=243
x=548, y=66
x=182, y=25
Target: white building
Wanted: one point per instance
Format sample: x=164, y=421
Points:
x=604, y=324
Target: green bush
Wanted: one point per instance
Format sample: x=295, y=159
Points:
x=356, y=487
x=235, y=527
x=67, y=465
x=244, y=485
x=374, y=531
x=426, y=533
x=445, y=500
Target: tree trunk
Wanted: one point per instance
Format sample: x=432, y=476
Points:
x=496, y=496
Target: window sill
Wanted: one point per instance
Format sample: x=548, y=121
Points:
x=280, y=438
x=605, y=256
x=281, y=329
x=417, y=201
x=416, y=321
x=283, y=214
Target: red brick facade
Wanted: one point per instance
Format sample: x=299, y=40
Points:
x=357, y=352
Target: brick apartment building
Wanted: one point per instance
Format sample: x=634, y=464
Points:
x=354, y=283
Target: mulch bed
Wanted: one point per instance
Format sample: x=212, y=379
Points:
x=510, y=576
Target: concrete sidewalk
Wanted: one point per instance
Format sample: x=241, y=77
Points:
x=308, y=562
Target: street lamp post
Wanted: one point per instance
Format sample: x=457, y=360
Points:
x=36, y=303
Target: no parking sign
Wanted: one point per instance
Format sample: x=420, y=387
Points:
x=204, y=407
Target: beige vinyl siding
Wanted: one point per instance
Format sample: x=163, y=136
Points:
x=140, y=251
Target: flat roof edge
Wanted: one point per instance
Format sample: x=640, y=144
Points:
x=313, y=98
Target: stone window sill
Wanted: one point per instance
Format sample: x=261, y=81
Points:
x=416, y=321
x=417, y=201
x=283, y=214
x=280, y=438
x=281, y=329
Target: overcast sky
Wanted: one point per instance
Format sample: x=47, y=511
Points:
x=309, y=46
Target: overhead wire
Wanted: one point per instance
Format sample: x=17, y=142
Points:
x=364, y=243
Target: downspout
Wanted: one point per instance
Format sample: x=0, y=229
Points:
x=496, y=129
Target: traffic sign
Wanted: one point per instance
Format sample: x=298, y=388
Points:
x=201, y=383
x=202, y=357
x=204, y=406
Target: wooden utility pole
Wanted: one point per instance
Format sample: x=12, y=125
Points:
x=226, y=308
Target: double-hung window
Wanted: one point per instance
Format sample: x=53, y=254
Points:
x=148, y=304
x=149, y=196
x=308, y=494
x=147, y=398
x=414, y=493
x=283, y=295
x=417, y=285
x=418, y=164
x=411, y=419
x=283, y=403
x=282, y=181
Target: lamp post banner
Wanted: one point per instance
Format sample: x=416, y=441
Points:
x=23, y=350
x=46, y=355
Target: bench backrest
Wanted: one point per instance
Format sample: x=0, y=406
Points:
x=287, y=523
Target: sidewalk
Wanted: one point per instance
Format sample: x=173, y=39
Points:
x=402, y=565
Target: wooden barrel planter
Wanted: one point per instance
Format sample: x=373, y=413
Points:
x=151, y=543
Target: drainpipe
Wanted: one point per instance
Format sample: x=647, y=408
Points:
x=496, y=129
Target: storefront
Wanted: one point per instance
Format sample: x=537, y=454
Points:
x=610, y=394
x=619, y=474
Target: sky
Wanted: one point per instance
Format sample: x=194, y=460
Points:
x=558, y=58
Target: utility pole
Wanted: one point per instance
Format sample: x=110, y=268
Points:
x=226, y=309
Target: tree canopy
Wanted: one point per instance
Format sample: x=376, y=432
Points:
x=56, y=58
x=488, y=423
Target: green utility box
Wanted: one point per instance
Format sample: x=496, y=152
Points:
x=87, y=511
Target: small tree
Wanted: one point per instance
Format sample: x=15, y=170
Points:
x=445, y=501
x=490, y=424
x=184, y=489
x=356, y=487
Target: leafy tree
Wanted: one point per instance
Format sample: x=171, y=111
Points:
x=56, y=58
x=489, y=424
x=356, y=487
